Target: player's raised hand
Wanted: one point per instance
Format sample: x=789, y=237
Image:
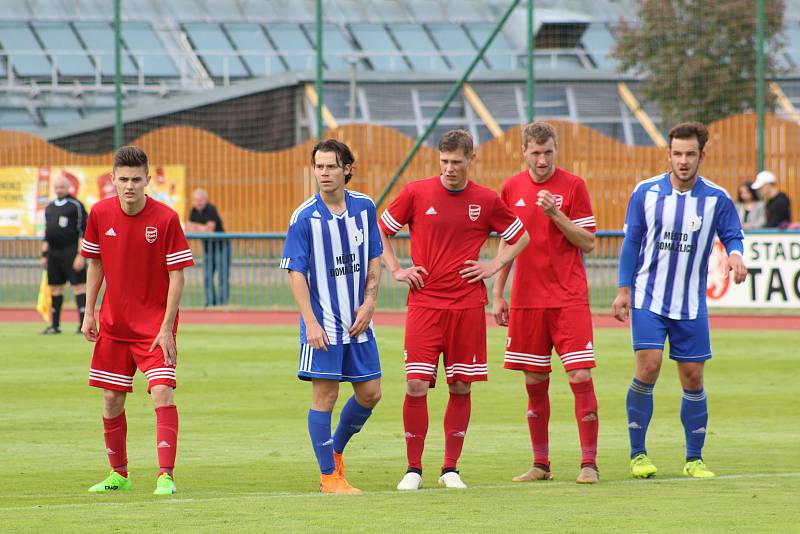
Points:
x=89, y=327
x=500, y=310
x=622, y=304
x=735, y=263
x=363, y=317
x=316, y=336
x=411, y=276
x=477, y=270
x=547, y=202
x=166, y=341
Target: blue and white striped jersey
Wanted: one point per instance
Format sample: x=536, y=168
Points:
x=675, y=233
x=333, y=251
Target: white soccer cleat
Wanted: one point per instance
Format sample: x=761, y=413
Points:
x=411, y=481
x=451, y=479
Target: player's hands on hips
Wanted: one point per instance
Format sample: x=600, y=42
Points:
x=89, y=327
x=478, y=270
x=621, y=306
x=78, y=263
x=166, y=341
x=500, y=310
x=316, y=336
x=411, y=276
x=547, y=202
x=363, y=317
x=735, y=263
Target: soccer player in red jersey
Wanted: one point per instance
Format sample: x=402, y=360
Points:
x=550, y=297
x=137, y=245
x=449, y=218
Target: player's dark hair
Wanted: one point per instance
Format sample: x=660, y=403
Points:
x=455, y=140
x=540, y=132
x=689, y=130
x=344, y=156
x=749, y=185
x=131, y=156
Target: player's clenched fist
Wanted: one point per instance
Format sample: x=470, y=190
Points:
x=411, y=276
x=622, y=304
x=316, y=336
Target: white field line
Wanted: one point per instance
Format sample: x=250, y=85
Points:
x=306, y=495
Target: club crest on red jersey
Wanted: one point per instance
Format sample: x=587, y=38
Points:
x=559, y=201
x=151, y=234
x=474, y=212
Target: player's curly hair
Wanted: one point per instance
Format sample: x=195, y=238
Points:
x=344, y=156
x=540, y=132
x=131, y=156
x=455, y=140
x=688, y=130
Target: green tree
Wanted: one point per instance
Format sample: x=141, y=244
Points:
x=697, y=58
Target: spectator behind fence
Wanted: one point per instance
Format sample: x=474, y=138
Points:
x=204, y=218
x=778, y=206
x=749, y=206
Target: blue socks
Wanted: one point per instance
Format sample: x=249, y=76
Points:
x=319, y=428
x=694, y=416
x=639, y=406
x=351, y=420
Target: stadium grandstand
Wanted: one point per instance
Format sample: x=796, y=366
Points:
x=245, y=69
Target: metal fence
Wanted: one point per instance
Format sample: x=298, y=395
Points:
x=255, y=280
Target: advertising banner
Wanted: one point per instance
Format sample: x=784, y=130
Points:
x=773, y=277
x=26, y=191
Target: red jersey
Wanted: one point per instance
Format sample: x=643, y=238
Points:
x=549, y=273
x=137, y=252
x=448, y=228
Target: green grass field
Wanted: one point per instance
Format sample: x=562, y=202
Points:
x=245, y=463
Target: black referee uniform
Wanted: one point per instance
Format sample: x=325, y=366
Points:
x=65, y=223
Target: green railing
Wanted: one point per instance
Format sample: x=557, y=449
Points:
x=257, y=282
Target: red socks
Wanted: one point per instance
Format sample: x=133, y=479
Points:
x=415, y=423
x=166, y=437
x=456, y=421
x=538, y=421
x=586, y=415
x=115, y=432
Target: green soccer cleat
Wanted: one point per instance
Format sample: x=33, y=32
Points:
x=165, y=485
x=642, y=467
x=113, y=482
x=697, y=469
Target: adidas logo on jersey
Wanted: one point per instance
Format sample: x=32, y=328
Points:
x=520, y=203
x=316, y=214
x=111, y=233
x=589, y=346
x=163, y=445
x=431, y=211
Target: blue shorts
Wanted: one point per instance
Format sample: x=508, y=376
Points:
x=689, y=339
x=350, y=362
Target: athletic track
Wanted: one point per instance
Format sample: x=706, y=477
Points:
x=735, y=322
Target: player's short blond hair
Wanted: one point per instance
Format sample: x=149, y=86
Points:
x=540, y=132
x=455, y=140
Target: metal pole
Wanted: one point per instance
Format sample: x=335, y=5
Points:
x=760, y=82
x=531, y=45
x=449, y=98
x=318, y=82
x=117, y=75
x=352, y=91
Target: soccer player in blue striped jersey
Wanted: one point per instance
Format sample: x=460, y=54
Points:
x=669, y=232
x=332, y=252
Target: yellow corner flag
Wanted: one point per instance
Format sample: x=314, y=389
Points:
x=45, y=300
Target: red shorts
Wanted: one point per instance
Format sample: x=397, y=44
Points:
x=114, y=363
x=532, y=333
x=459, y=334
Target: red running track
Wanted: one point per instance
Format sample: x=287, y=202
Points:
x=737, y=322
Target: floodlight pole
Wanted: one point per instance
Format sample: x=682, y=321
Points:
x=117, y=74
x=760, y=82
x=531, y=45
x=449, y=98
x=318, y=81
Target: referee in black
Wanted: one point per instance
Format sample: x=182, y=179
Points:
x=65, y=223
